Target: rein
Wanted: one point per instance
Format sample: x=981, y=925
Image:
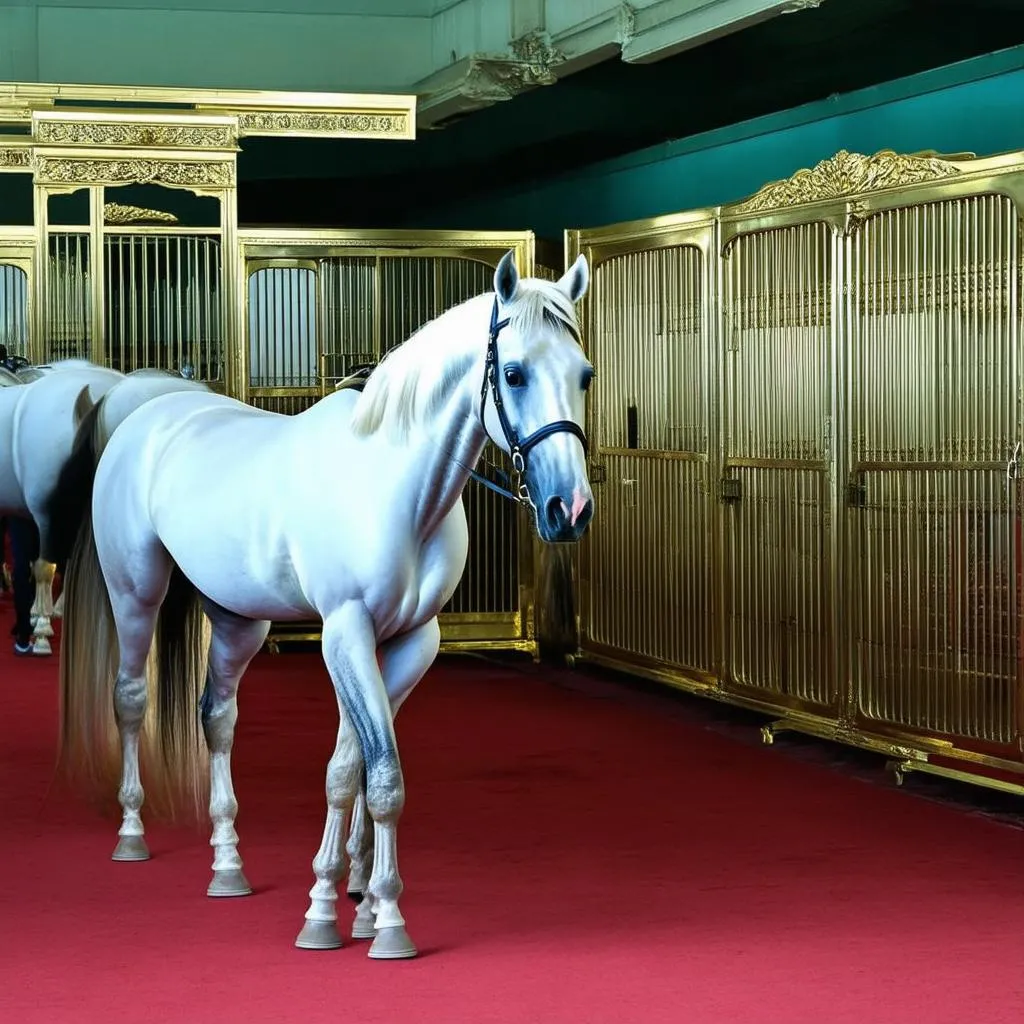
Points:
x=519, y=449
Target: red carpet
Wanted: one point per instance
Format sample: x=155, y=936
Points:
x=567, y=857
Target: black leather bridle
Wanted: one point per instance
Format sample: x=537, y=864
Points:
x=518, y=449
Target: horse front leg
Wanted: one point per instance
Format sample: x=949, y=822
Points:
x=404, y=661
x=349, y=649
x=343, y=772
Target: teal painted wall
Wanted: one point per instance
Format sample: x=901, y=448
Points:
x=308, y=47
x=975, y=106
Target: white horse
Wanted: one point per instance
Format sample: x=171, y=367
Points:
x=39, y=421
x=351, y=511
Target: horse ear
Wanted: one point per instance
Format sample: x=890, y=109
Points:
x=506, y=278
x=575, y=280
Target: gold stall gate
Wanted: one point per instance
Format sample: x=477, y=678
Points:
x=131, y=256
x=808, y=440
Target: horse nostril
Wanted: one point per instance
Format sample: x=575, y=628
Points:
x=556, y=513
x=583, y=519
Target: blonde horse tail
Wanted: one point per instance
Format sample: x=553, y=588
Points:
x=180, y=774
x=89, y=751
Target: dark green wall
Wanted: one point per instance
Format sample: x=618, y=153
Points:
x=975, y=106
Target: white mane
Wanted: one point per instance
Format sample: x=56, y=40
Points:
x=413, y=379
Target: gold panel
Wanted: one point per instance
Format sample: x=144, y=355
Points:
x=163, y=305
x=777, y=437
x=15, y=158
x=191, y=174
x=777, y=575
x=128, y=131
x=645, y=573
x=648, y=587
x=650, y=337
x=936, y=623
x=349, y=303
x=778, y=322
x=935, y=420
x=932, y=362
x=69, y=297
x=395, y=124
x=864, y=454
x=312, y=114
x=283, y=345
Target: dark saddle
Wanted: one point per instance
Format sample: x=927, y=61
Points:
x=356, y=379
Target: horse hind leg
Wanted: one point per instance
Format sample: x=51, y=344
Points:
x=233, y=644
x=135, y=620
x=42, y=607
x=360, y=852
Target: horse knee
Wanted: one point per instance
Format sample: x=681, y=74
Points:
x=130, y=699
x=385, y=789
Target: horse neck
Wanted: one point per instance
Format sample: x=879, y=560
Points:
x=445, y=451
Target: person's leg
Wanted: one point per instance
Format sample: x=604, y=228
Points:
x=24, y=551
x=4, y=564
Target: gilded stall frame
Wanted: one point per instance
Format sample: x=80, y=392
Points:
x=845, y=193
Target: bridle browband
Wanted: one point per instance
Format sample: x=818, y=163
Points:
x=518, y=449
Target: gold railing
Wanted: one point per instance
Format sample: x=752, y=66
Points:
x=808, y=421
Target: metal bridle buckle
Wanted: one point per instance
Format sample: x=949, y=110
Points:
x=518, y=469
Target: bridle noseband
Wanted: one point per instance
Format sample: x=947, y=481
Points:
x=518, y=449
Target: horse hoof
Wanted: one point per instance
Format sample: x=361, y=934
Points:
x=130, y=848
x=392, y=944
x=229, y=883
x=364, y=929
x=319, y=935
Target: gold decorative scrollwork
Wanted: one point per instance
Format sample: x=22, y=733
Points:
x=323, y=123
x=128, y=134
x=16, y=158
x=847, y=174
x=119, y=213
x=188, y=173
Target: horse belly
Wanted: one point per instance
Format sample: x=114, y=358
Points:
x=238, y=564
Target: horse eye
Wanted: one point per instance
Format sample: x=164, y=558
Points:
x=514, y=377
x=588, y=379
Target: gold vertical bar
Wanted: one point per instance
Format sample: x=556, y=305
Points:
x=38, y=342
x=95, y=262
